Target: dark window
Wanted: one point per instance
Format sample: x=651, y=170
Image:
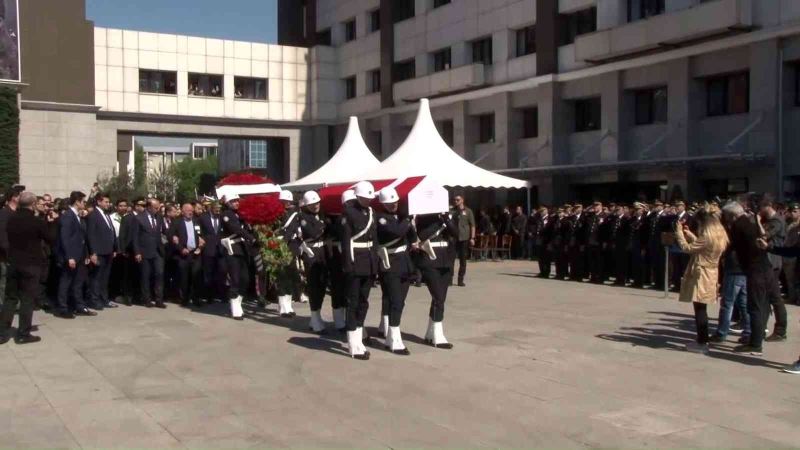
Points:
x=650, y=106
x=350, y=87
x=642, y=9
x=438, y=3
x=578, y=23
x=482, y=51
x=250, y=88
x=587, y=114
x=404, y=70
x=374, y=20
x=203, y=151
x=486, y=128
x=526, y=41
x=402, y=9
x=378, y=140
x=446, y=131
x=441, y=60
x=350, y=30
x=530, y=123
x=728, y=94
x=257, y=154
x=203, y=85
x=374, y=80
x=158, y=82
x=324, y=37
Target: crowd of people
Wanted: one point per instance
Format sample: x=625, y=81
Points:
x=78, y=256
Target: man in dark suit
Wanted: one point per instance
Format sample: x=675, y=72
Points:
x=26, y=236
x=11, y=199
x=102, y=241
x=213, y=260
x=131, y=286
x=70, y=255
x=148, y=249
x=186, y=245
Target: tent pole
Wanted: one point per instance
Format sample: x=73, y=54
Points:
x=528, y=192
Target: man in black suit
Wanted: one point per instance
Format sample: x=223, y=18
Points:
x=186, y=244
x=26, y=236
x=148, y=249
x=102, y=241
x=131, y=287
x=213, y=260
x=11, y=199
x=70, y=255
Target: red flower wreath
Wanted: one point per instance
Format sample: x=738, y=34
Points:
x=261, y=209
x=245, y=178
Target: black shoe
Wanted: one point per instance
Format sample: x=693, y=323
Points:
x=417, y=284
x=161, y=305
x=287, y=315
x=239, y=318
x=64, y=315
x=85, y=312
x=111, y=305
x=341, y=330
x=755, y=351
x=4, y=339
x=26, y=339
x=461, y=283
x=362, y=357
x=446, y=346
x=775, y=337
x=127, y=301
x=149, y=304
x=716, y=339
x=403, y=352
x=369, y=342
x=96, y=308
x=198, y=304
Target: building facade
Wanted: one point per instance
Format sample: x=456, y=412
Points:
x=606, y=99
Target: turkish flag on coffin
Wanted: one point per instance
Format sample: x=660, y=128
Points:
x=418, y=195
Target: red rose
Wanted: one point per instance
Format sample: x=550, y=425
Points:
x=239, y=179
x=272, y=245
x=261, y=209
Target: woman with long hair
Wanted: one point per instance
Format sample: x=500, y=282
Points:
x=699, y=284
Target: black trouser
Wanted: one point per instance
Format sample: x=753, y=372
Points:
x=115, y=288
x=316, y=281
x=338, y=286
x=609, y=262
x=214, y=276
x=42, y=296
x=22, y=286
x=436, y=280
x=189, y=270
x=99, y=275
x=358, y=287
x=394, y=288
x=595, y=257
x=576, y=263
x=656, y=257
x=239, y=275
x=152, y=279
x=763, y=290
x=131, y=284
x=517, y=247
x=622, y=259
x=638, y=267
x=679, y=263
x=562, y=263
x=70, y=286
x=462, y=251
x=544, y=256
x=701, y=322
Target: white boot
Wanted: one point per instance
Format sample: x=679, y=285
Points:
x=340, y=318
x=316, y=323
x=439, y=340
x=236, y=308
x=394, y=342
x=361, y=346
x=384, y=326
x=303, y=298
x=355, y=345
x=429, y=333
x=285, y=306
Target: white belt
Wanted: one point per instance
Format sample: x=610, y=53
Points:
x=439, y=244
x=317, y=244
x=396, y=250
x=367, y=244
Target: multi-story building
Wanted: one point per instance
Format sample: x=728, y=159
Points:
x=584, y=98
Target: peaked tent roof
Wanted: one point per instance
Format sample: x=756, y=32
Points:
x=424, y=153
x=351, y=160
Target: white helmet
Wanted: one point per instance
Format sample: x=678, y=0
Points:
x=388, y=195
x=364, y=189
x=310, y=198
x=231, y=197
x=286, y=196
x=348, y=195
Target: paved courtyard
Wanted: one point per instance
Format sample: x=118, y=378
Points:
x=536, y=363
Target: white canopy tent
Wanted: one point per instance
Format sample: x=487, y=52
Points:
x=351, y=160
x=424, y=153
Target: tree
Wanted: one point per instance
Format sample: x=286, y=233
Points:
x=139, y=168
x=119, y=185
x=162, y=182
x=9, y=138
x=190, y=172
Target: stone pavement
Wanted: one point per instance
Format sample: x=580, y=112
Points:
x=536, y=363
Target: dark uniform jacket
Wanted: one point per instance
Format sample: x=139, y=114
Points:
x=435, y=228
x=590, y=230
x=395, y=232
x=311, y=229
x=234, y=227
x=362, y=261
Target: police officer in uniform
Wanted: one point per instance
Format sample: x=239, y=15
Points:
x=543, y=238
x=237, y=244
x=638, y=240
x=576, y=244
x=562, y=230
x=360, y=264
x=395, y=236
x=289, y=279
x=592, y=223
x=436, y=236
x=335, y=273
x=309, y=246
x=619, y=239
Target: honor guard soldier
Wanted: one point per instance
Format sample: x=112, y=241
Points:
x=436, y=236
x=289, y=280
x=336, y=274
x=637, y=241
x=592, y=239
x=360, y=264
x=237, y=244
x=562, y=230
x=395, y=235
x=309, y=246
x=542, y=240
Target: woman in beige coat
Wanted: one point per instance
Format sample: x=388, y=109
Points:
x=699, y=284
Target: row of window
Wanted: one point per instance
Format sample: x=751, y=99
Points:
x=202, y=85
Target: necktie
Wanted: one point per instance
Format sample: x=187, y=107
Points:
x=214, y=223
x=108, y=221
x=153, y=222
